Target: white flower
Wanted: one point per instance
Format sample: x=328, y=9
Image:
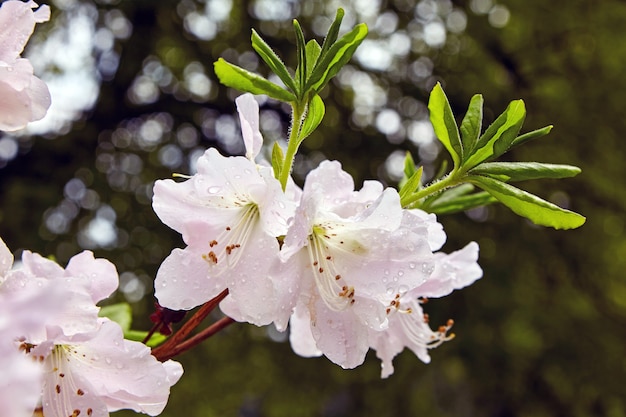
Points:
x=408, y=325
x=88, y=368
x=23, y=97
x=230, y=214
x=354, y=251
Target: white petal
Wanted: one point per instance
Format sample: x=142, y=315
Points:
x=248, y=110
x=6, y=260
x=300, y=336
x=184, y=281
x=99, y=275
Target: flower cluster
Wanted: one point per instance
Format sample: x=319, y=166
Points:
x=76, y=363
x=345, y=268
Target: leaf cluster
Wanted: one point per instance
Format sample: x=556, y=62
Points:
x=472, y=154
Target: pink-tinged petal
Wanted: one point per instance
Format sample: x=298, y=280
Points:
x=38, y=266
x=436, y=235
x=300, y=335
x=184, y=281
x=66, y=391
x=40, y=99
x=6, y=260
x=20, y=386
x=275, y=208
x=452, y=272
x=248, y=110
x=329, y=184
x=122, y=373
x=251, y=288
x=99, y=275
x=342, y=338
x=17, y=22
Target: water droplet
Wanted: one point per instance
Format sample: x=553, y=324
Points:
x=281, y=204
x=403, y=289
x=412, y=265
x=428, y=268
x=386, y=272
x=214, y=189
x=390, y=291
x=400, y=273
x=108, y=361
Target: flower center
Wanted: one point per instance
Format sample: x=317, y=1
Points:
x=332, y=288
x=225, y=249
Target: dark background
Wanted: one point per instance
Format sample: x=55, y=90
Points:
x=135, y=99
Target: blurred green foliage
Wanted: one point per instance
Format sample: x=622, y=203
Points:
x=541, y=334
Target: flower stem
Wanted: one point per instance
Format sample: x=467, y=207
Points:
x=178, y=337
x=292, y=144
x=196, y=339
x=452, y=179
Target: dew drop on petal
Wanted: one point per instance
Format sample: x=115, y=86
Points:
x=214, y=189
x=108, y=361
x=412, y=265
x=403, y=289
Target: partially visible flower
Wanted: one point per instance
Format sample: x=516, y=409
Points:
x=89, y=369
x=230, y=214
x=20, y=385
x=408, y=325
x=354, y=251
x=23, y=97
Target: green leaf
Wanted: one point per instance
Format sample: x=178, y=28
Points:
x=333, y=32
x=121, y=313
x=444, y=124
x=312, y=55
x=273, y=61
x=529, y=205
x=410, y=186
x=233, y=76
x=531, y=135
x=314, y=115
x=499, y=136
x=520, y=171
x=462, y=203
x=301, y=70
x=139, y=336
x=409, y=165
x=278, y=159
x=335, y=58
x=472, y=124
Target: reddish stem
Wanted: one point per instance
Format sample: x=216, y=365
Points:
x=195, y=340
x=188, y=327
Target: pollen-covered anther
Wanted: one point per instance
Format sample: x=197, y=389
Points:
x=426, y=317
x=337, y=277
x=321, y=270
x=347, y=292
x=229, y=249
x=423, y=300
x=210, y=257
x=213, y=243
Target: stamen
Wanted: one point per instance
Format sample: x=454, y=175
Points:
x=224, y=246
x=336, y=296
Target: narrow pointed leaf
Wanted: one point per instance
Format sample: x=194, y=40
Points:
x=409, y=165
x=531, y=135
x=444, y=124
x=313, y=50
x=410, y=186
x=472, y=124
x=499, y=136
x=301, y=70
x=278, y=159
x=520, y=171
x=528, y=205
x=273, y=61
x=236, y=77
x=335, y=58
x=314, y=116
x=333, y=32
x=462, y=203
